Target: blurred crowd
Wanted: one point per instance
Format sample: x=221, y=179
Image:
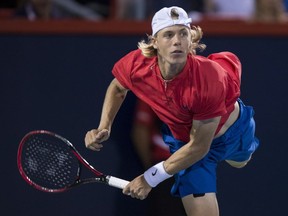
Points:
x=259, y=10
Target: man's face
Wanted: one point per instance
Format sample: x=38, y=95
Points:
x=172, y=44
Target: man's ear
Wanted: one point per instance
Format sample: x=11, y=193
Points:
x=155, y=44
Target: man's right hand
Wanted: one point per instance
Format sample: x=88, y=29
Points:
x=95, y=137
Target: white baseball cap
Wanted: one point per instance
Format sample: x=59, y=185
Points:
x=163, y=19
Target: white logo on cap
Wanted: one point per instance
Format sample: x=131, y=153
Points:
x=168, y=17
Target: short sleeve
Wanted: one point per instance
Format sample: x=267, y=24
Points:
x=212, y=92
x=123, y=68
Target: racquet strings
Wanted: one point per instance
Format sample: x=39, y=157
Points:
x=49, y=162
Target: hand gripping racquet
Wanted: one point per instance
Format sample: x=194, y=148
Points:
x=50, y=163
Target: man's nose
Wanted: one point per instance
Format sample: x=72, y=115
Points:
x=177, y=39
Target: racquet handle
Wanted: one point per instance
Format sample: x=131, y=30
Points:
x=117, y=182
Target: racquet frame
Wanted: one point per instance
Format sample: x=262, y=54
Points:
x=99, y=176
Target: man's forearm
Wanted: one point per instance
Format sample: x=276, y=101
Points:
x=184, y=158
x=201, y=137
x=114, y=98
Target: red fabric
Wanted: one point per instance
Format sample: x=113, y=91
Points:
x=201, y=91
x=145, y=116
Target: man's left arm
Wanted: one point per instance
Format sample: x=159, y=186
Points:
x=201, y=136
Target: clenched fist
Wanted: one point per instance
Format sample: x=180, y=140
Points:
x=95, y=137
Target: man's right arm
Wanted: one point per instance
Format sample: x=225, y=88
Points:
x=115, y=95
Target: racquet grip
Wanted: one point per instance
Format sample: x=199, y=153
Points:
x=117, y=182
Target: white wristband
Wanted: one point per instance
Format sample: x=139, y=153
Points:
x=156, y=174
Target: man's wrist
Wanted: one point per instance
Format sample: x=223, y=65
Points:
x=156, y=174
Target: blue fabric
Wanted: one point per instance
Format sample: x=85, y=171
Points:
x=238, y=143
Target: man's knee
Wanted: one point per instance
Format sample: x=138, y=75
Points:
x=238, y=164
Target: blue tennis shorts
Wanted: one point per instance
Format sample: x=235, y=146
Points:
x=237, y=144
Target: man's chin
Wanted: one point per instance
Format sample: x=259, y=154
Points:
x=178, y=60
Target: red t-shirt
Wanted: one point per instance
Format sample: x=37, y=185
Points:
x=200, y=91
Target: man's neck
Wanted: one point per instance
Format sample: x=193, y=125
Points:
x=169, y=71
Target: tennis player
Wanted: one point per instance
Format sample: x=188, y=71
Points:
x=197, y=99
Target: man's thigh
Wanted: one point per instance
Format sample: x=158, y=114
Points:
x=206, y=205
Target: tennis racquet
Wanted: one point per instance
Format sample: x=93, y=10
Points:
x=50, y=163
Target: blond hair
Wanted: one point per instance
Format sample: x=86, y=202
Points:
x=196, y=34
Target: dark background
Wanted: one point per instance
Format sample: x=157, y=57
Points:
x=58, y=82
